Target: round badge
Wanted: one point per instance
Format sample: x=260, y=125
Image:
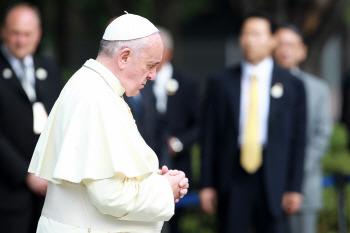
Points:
x=41, y=73
x=277, y=90
x=172, y=86
x=7, y=73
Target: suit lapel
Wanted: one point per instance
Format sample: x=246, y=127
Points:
x=172, y=98
x=12, y=81
x=234, y=92
x=39, y=83
x=275, y=103
x=147, y=95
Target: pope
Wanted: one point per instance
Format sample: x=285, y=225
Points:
x=102, y=175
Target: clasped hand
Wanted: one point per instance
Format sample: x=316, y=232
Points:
x=178, y=182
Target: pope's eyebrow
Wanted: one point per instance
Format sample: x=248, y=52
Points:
x=153, y=63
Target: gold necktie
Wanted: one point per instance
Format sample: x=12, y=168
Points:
x=251, y=148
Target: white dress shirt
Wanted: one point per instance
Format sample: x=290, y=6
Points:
x=263, y=72
x=16, y=65
x=159, y=87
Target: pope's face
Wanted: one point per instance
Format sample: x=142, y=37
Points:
x=256, y=40
x=143, y=68
x=21, y=32
x=290, y=50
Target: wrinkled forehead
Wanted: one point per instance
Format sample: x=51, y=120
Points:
x=154, y=46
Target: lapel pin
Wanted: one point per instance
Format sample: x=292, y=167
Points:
x=172, y=86
x=41, y=73
x=277, y=90
x=7, y=73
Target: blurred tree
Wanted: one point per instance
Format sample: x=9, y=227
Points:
x=73, y=28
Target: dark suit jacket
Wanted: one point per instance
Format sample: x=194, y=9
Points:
x=180, y=120
x=284, y=152
x=17, y=139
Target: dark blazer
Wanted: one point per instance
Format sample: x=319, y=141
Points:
x=17, y=139
x=284, y=152
x=180, y=120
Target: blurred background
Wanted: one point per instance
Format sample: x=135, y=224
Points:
x=205, y=31
x=206, y=39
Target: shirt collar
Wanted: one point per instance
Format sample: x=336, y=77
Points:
x=27, y=60
x=107, y=75
x=264, y=67
x=295, y=71
x=165, y=73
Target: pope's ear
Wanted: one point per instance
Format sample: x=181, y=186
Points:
x=124, y=58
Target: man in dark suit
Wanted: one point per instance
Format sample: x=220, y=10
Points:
x=167, y=115
x=253, y=137
x=29, y=86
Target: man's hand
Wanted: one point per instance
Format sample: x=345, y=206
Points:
x=209, y=200
x=174, y=145
x=291, y=202
x=36, y=185
x=171, y=150
x=178, y=182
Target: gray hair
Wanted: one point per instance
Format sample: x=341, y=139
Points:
x=166, y=36
x=108, y=49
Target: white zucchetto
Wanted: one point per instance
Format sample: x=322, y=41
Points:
x=129, y=27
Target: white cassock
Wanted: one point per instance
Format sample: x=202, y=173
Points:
x=102, y=175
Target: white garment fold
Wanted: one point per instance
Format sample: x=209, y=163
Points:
x=90, y=134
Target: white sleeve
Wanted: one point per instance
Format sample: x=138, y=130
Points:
x=135, y=199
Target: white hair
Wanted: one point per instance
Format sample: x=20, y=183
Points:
x=108, y=49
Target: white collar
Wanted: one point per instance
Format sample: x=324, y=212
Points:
x=27, y=60
x=107, y=75
x=264, y=67
x=164, y=74
x=295, y=71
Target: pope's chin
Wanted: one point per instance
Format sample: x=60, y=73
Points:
x=132, y=93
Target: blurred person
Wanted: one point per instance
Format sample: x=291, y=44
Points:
x=102, y=175
x=29, y=86
x=253, y=138
x=289, y=53
x=167, y=109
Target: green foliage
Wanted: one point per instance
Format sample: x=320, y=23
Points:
x=347, y=13
x=328, y=215
x=67, y=74
x=337, y=159
x=145, y=8
x=194, y=220
x=190, y=9
x=196, y=164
